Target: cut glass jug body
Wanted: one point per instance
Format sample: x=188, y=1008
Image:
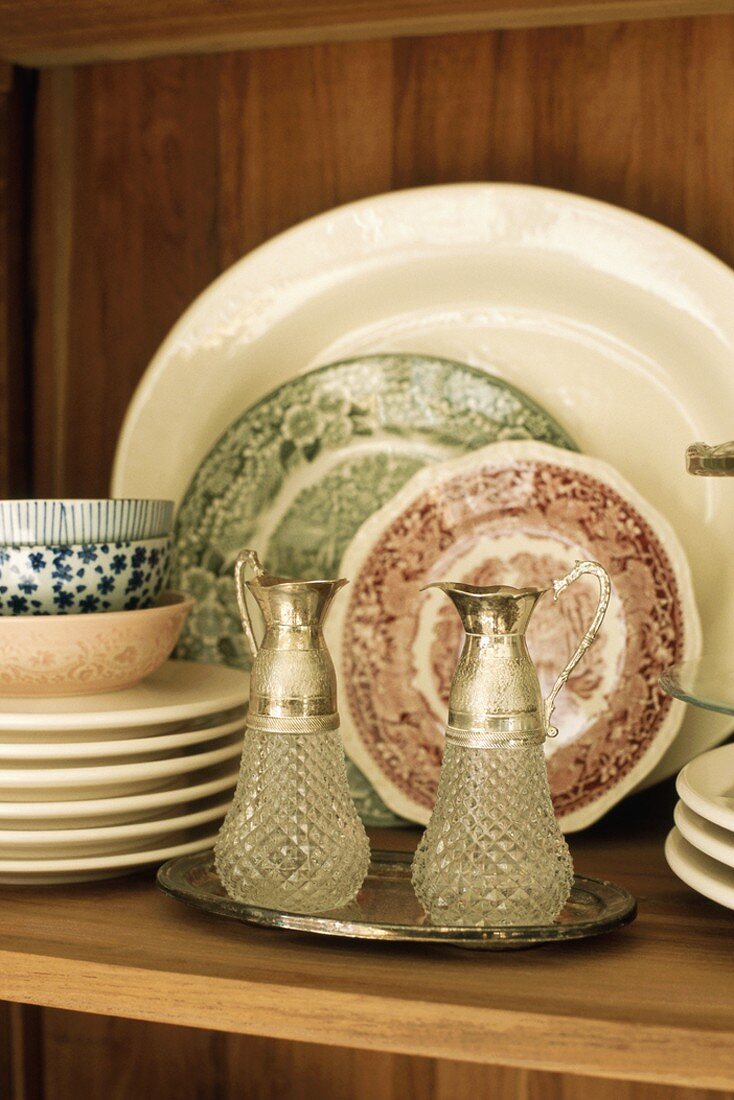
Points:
x=292, y=839
x=493, y=852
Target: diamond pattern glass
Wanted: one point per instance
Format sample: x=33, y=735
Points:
x=493, y=853
x=292, y=839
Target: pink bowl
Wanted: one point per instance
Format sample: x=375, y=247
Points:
x=87, y=654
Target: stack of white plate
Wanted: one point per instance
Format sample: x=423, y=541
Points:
x=102, y=785
x=700, y=849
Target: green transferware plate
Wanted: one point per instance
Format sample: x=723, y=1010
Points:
x=296, y=475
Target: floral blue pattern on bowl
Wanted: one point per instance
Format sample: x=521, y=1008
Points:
x=82, y=579
x=79, y=522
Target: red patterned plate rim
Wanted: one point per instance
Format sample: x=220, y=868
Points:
x=527, y=495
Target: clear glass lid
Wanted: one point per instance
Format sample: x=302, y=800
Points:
x=707, y=682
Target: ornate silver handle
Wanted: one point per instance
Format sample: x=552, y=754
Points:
x=605, y=591
x=246, y=559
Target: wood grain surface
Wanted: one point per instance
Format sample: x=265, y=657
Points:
x=62, y=32
x=652, y=1002
x=27, y=1065
x=16, y=97
x=125, y=1059
x=151, y=177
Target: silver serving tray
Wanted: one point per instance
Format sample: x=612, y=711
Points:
x=387, y=909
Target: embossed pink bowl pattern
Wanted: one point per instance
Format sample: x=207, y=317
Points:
x=519, y=514
x=88, y=654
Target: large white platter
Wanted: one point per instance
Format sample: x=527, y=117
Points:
x=620, y=328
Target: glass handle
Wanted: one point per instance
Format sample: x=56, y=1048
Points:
x=246, y=559
x=605, y=590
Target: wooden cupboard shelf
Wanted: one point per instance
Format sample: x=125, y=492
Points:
x=61, y=32
x=651, y=1002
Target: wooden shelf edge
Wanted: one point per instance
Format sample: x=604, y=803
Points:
x=51, y=32
x=628, y=1050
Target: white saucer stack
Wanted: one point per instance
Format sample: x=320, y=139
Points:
x=700, y=848
x=102, y=785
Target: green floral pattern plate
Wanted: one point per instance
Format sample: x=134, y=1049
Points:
x=298, y=473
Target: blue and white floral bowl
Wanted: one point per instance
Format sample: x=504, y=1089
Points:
x=83, y=578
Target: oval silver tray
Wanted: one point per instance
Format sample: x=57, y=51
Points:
x=387, y=909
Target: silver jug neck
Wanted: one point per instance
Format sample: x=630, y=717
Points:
x=493, y=738
x=297, y=725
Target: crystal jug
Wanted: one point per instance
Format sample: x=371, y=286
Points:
x=493, y=852
x=292, y=838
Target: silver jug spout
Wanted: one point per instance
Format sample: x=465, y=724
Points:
x=294, y=603
x=281, y=600
x=493, y=609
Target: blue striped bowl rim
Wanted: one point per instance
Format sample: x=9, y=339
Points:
x=76, y=522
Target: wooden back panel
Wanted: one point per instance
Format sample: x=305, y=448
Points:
x=153, y=176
